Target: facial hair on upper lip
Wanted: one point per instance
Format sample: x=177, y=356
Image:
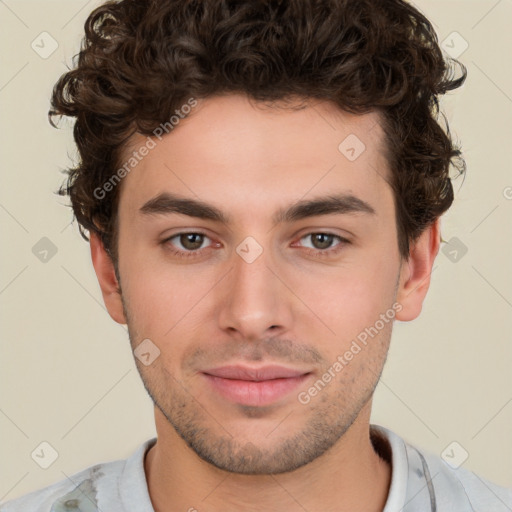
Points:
x=270, y=351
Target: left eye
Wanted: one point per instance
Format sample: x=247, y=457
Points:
x=322, y=241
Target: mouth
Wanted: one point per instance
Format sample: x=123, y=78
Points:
x=255, y=386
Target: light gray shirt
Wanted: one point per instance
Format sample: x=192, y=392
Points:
x=420, y=482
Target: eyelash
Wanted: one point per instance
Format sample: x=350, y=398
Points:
x=315, y=252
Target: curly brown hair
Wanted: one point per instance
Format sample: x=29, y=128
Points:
x=140, y=60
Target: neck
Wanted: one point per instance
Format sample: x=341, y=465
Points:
x=350, y=476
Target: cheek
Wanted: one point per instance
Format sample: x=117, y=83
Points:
x=351, y=296
x=160, y=298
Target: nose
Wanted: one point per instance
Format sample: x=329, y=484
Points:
x=256, y=302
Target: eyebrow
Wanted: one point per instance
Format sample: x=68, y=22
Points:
x=167, y=203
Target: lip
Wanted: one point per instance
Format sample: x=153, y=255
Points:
x=255, y=386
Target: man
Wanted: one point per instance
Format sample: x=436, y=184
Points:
x=262, y=184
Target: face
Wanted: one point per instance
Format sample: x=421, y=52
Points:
x=261, y=260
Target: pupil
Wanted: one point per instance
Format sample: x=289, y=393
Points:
x=323, y=239
x=191, y=240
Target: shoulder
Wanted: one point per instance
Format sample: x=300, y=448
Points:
x=468, y=488
x=75, y=493
x=423, y=481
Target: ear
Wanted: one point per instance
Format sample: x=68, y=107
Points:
x=415, y=273
x=107, y=279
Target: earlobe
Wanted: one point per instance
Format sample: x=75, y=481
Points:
x=416, y=271
x=105, y=272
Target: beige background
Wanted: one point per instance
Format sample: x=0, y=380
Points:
x=68, y=377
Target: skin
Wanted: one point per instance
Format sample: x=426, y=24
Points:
x=291, y=306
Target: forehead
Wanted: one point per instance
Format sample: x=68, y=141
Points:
x=248, y=155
